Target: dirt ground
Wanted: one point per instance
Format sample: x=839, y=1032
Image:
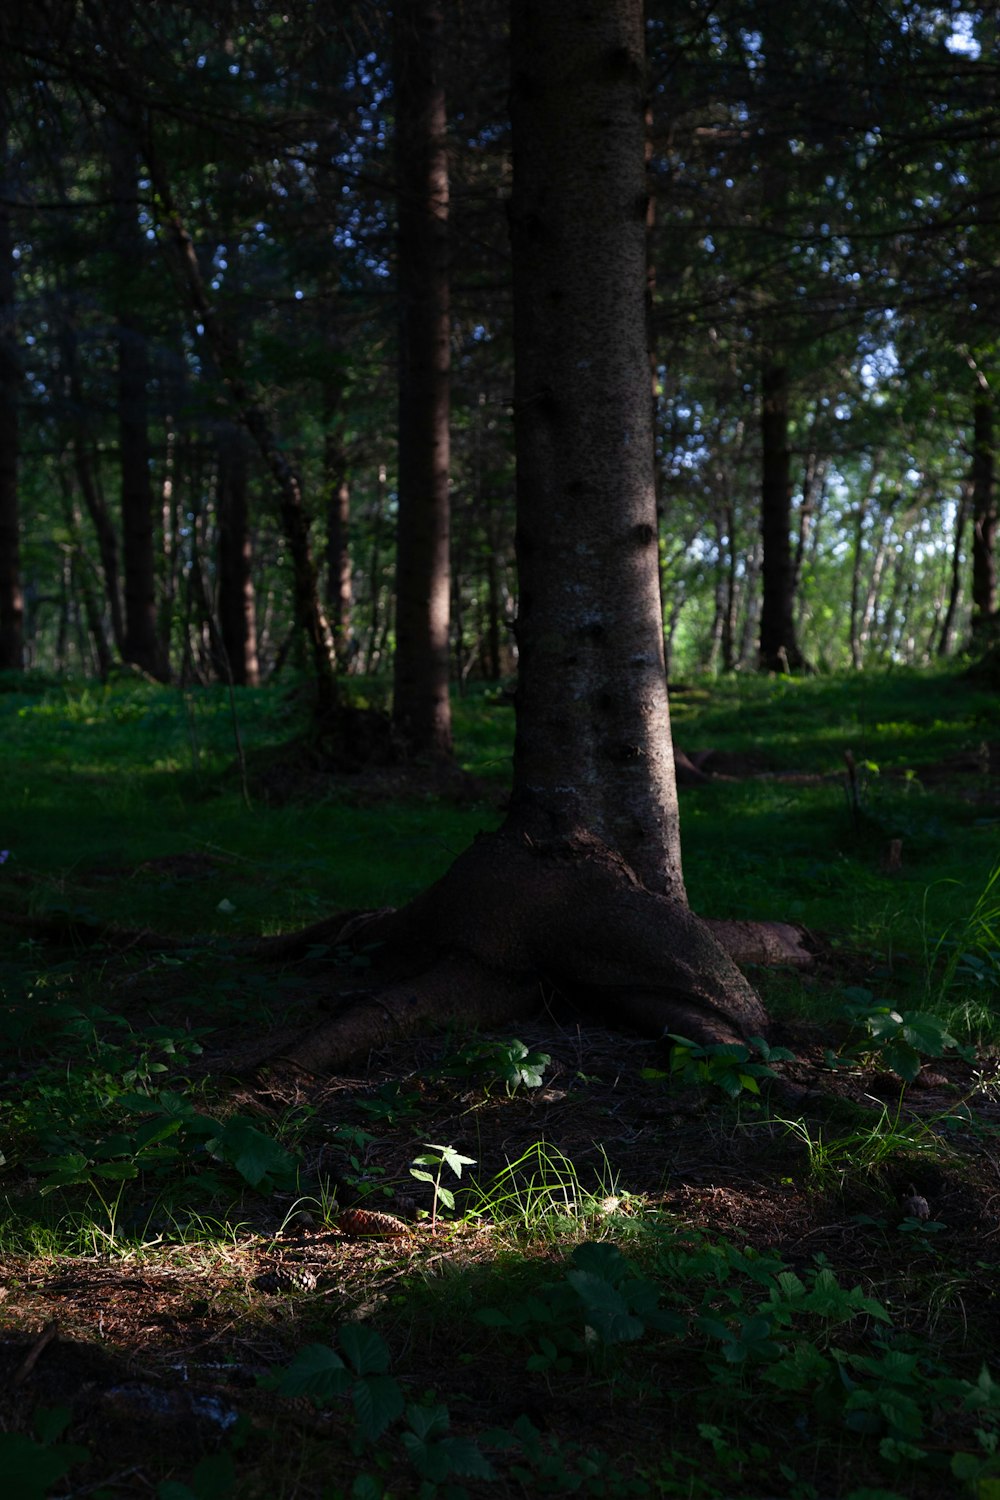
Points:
x=158, y=1353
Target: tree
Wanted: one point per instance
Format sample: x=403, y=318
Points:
x=984, y=519
x=142, y=645
x=421, y=707
x=581, y=890
x=11, y=594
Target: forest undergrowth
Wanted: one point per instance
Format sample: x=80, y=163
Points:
x=564, y=1261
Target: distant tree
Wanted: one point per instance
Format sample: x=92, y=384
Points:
x=984, y=519
x=11, y=592
x=421, y=704
x=141, y=643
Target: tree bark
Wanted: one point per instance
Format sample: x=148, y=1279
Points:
x=581, y=891
x=236, y=605
x=339, y=575
x=85, y=469
x=11, y=590
x=141, y=644
x=946, y=637
x=984, y=521
x=779, y=650
x=421, y=707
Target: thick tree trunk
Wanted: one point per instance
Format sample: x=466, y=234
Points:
x=581, y=891
x=236, y=602
x=141, y=644
x=593, y=744
x=11, y=591
x=421, y=708
x=984, y=522
x=779, y=650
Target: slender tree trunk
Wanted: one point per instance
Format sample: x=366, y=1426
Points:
x=236, y=600
x=421, y=708
x=984, y=521
x=85, y=470
x=779, y=651
x=946, y=638
x=750, y=636
x=141, y=644
x=82, y=568
x=493, y=606
x=11, y=589
x=310, y=619
x=339, y=578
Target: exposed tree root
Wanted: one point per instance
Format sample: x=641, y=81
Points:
x=513, y=918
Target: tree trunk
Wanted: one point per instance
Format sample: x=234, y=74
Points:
x=779, y=651
x=236, y=603
x=82, y=569
x=339, y=578
x=581, y=890
x=984, y=522
x=955, y=585
x=11, y=590
x=141, y=644
x=310, y=619
x=421, y=709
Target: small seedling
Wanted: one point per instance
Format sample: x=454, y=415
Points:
x=439, y=1157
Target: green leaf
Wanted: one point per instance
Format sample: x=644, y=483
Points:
x=117, y=1171
x=378, y=1401
x=257, y=1158
x=602, y=1258
x=605, y=1309
x=428, y=1421
x=902, y=1059
x=365, y=1487
x=366, y=1350
x=316, y=1371
x=157, y=1129
x=452, y=1158
x=31, y=1471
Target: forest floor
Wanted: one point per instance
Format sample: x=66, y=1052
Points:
x=622, y=1270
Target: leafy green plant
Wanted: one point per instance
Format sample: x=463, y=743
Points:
x=900, y=1041
x=359, y=1371
x=439, y=1157
x=173, y=1134
x=438, y=1455
x=548, y=1465
x=728, y=1066
x=601, y=1301
x=486, y=1063
x=32, y=1467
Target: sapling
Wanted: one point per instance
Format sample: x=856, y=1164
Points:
x=439, y=1157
